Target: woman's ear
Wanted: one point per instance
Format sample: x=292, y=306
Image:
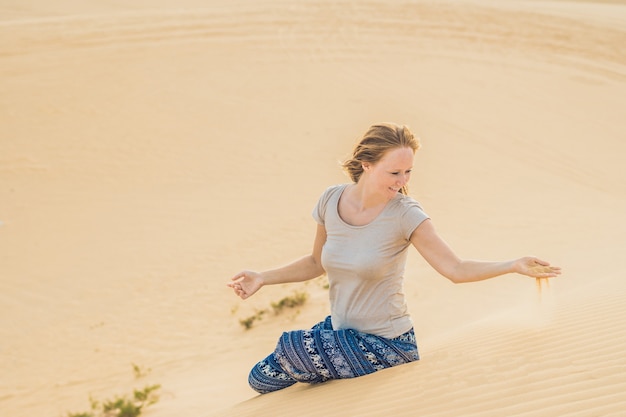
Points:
x=366, y=166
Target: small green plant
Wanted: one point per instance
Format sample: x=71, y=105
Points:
x=292, y=301
x=147, y=396
x=249, y=321
x=140, y=371
x=123, y=406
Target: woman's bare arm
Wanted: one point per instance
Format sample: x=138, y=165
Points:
x=246, y=283
x=443, y=259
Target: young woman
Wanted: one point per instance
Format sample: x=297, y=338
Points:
x=364, y=230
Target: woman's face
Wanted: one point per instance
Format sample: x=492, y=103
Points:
x=392, y=172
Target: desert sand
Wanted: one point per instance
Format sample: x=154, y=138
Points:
x=150, y=150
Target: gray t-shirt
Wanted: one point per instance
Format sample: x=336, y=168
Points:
x=365, y=264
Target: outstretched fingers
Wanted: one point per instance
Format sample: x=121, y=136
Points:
x=236, y=284
x=538, y=268
x=245, y=283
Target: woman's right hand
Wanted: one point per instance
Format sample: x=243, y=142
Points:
x=246, y=283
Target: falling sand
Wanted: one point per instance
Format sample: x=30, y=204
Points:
x=539, y=285
x=540, y=269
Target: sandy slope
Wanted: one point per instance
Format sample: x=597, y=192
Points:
x=148, y=152
x=552, y=361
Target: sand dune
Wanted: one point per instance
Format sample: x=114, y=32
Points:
x=149, y=151
x=551, y=361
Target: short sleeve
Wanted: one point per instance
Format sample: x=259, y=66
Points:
x=319, y=212
x=412, y=216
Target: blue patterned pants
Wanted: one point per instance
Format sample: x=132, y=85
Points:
x=321, y=353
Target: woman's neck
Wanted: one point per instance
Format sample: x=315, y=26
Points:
x=363, y=199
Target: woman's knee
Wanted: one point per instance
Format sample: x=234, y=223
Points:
x=299, y=357
x=267, y=376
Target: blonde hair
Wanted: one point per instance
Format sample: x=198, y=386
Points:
x=378, y=140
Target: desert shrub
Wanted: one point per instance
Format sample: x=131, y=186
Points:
x=291, y=301
x=248, y=322
x=124, y=406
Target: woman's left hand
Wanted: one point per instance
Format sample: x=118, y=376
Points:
x=536, y=268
